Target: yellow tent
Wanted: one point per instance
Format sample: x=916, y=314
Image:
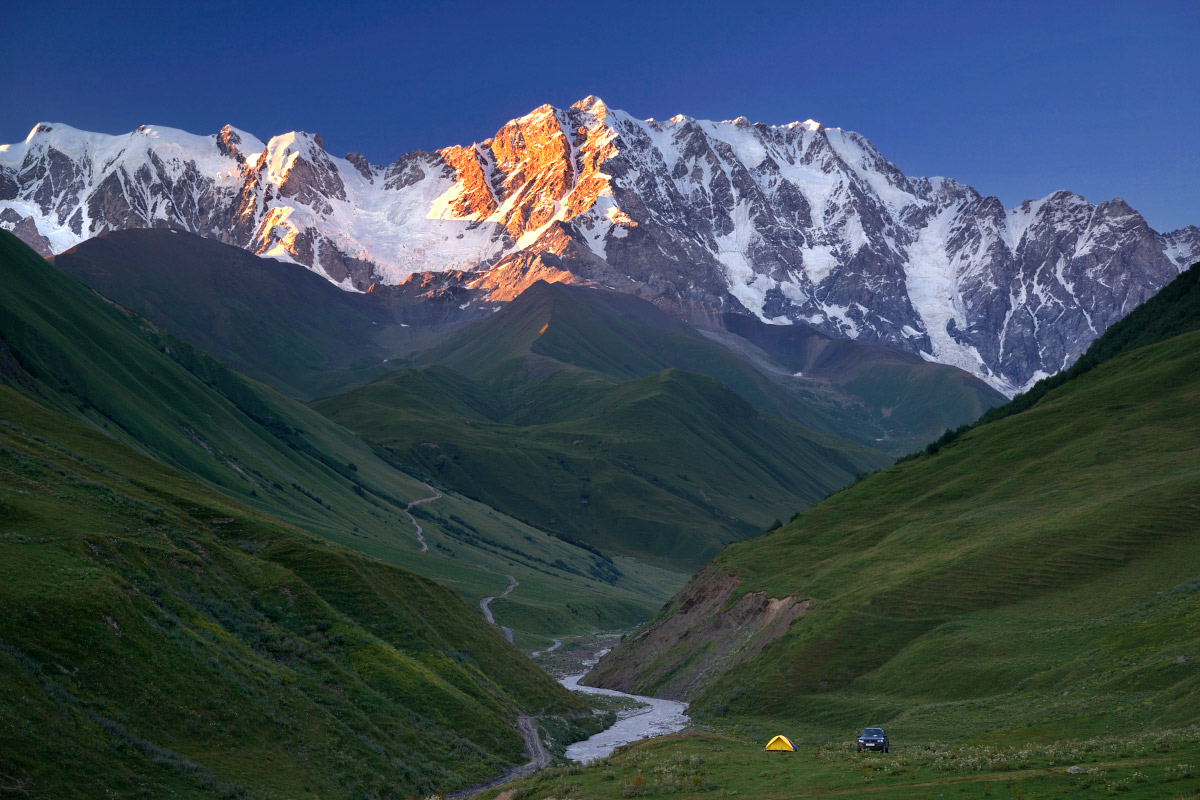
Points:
x=781, y=743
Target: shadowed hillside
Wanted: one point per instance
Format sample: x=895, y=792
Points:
x=578, y=419
x=161, y=639
x=910, y=400
x=74, y=351
x=1039, y=567
x=277, y=322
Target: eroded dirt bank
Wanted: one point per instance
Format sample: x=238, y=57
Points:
x=707, y=630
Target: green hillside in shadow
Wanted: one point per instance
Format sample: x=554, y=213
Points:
x=586, y=422
x=76, y=352
x=159, y=639
x=901, y=400
x=94, y=360
x=546, y=358
x=277, y=322
x=286, y=326
x=870, y=394
x=1033, y=578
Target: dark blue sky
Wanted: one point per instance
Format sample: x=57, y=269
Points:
x=1015, y=98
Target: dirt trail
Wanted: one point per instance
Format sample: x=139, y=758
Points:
x=408, y=510
x=485, y=605
x=557, y=644
x=535, y=750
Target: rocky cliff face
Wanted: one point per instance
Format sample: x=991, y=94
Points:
x=789, y=223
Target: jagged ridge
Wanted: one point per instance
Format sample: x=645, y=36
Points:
x=792, y=223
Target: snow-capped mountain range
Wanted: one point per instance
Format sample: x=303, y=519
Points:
x=797, y=223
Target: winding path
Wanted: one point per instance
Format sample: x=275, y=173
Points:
x=408, y=510
x=557, y=644
x=485, y=605
x=535, y=750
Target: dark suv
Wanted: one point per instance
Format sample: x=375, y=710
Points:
x=873, y=739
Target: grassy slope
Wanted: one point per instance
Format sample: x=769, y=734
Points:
x=160, y=639
x=701, y=765
x=863, y=392
x=908, y=399
x=96, y=361
x=1038, y=571
x=253, y=314
x=562, y=415
x=277, y=322
x=602, y=333
x=1042, y=568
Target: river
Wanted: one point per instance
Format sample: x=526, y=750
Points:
x=659, y=718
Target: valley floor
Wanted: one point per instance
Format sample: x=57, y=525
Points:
x=707, y=764
x=573, y=654
x=703, y=762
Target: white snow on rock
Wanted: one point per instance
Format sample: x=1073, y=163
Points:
x=933, y=290
x=796, y=223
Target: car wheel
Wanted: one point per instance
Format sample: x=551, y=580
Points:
x=885, y=749
x=860, y=749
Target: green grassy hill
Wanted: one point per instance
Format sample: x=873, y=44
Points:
x=908, y=400
x=867, y=393
x=94, y=360
x=74, y=351
x=563, y=415
x=665, y=468
x=602, y=332
x=284, y=325
x=277, y=322
x=159, y=639
x=1033, y=578
x=257, y=315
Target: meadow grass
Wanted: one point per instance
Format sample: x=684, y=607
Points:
x=72, y=350
x=159, y=638
x=705, y=764
x=665, y=467
x=1034, y=579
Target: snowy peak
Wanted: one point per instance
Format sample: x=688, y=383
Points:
x=103, y=153
x=75, y=184
x=297, y=164
x=791, y=223
x=1182, y=247
x=593, y=107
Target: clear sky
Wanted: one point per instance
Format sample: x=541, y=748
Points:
x=1016, y=98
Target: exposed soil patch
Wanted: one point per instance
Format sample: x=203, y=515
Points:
x=708, y=635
